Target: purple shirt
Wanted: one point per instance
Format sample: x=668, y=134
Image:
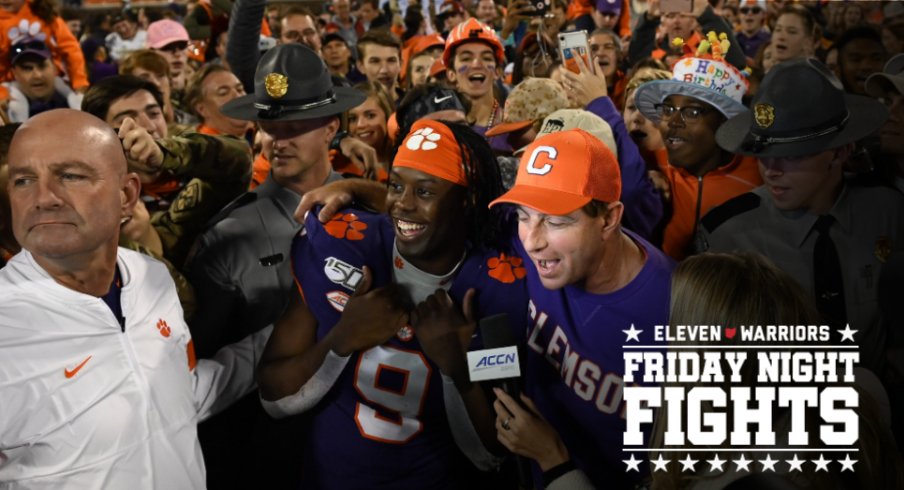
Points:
x=383, y=424
x=751, y=44
x=574, y=361
x=643, y=205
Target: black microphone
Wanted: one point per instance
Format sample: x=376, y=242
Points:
x=496, y=334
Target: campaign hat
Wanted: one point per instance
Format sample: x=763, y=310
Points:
x=292, y=83
x=800, y=109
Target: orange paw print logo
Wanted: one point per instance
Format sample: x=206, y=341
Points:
x=506, y=269
x=398, y=262
x=164, y=329
x=346, y=226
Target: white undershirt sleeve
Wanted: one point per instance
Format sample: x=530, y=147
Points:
x=463, y=430
x=311, y=392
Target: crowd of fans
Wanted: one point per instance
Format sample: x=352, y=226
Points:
x=768, y=127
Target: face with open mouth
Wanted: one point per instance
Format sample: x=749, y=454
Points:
x=604, y=49
x=644, y=133
x=751, y=18
x=564, y=249
x=427, y=213
x=790, y=38
x=473, y=69
x=691, y=143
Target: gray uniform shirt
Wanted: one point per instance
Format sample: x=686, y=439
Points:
x=869, y=226
x=241, y=267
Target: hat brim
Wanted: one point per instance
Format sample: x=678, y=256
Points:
x=866, y=116
x=509, y=127
x=243, y=107
x=547, y=201
x=879, y=84
x=655, y=92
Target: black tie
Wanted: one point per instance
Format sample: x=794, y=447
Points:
x=827, y=278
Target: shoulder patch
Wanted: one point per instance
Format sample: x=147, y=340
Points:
x=347, y=226
x=729, y=209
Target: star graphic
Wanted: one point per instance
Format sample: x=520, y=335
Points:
x=687, y=464
x=632, y=333
x=660, y=464
x=795, y=463
x=847, y=333
x=822, y=463
x=632, y=463
x=768, y=463
x=743, y=462
x=716, y=463
x=847, y=463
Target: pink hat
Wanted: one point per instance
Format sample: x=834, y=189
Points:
x=166, y=31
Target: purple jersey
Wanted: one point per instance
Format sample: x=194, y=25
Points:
x=575, y=366
x=383, y=424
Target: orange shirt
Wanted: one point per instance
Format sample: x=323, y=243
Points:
x=693, y=197
x=260, y=169
x=64, y=47
x=205, y=129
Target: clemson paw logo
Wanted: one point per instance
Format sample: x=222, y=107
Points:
x=398, y=263
x=346, y=226
x=164, y=329
x=405, y=333
x=25, y=30
x=506, y=269
x=423, y=139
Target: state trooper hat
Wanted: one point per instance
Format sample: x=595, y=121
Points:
x=292, y=83
x=800, y=109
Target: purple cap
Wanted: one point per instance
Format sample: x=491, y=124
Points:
x=609, y=6
x=28, y=46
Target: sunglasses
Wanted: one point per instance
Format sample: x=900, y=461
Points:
x=750, y=10
x=175, y=47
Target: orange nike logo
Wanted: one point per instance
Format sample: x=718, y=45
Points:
x=76, y=369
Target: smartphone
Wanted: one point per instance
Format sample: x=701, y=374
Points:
x=572, y=45
x=670, y=6
x=540, y=7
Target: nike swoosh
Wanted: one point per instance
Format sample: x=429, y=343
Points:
x=439, y=100
x=76, y=369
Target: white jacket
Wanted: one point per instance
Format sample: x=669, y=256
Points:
x=84, y=404
x=18, y=110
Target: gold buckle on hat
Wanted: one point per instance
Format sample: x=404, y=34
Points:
x=277, y=85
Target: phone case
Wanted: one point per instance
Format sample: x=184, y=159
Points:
x=573, y=44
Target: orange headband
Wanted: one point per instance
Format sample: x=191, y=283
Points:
x=431, y=148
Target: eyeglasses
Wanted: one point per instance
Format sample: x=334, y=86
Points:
x=750, y=10
x=175, y=47
x=688, y=113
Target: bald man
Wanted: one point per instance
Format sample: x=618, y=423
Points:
x=100, y=384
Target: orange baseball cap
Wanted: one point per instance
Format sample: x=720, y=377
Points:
x=561, y=172
x=432, y=148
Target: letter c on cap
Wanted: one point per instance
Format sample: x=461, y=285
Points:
x=531, y=169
